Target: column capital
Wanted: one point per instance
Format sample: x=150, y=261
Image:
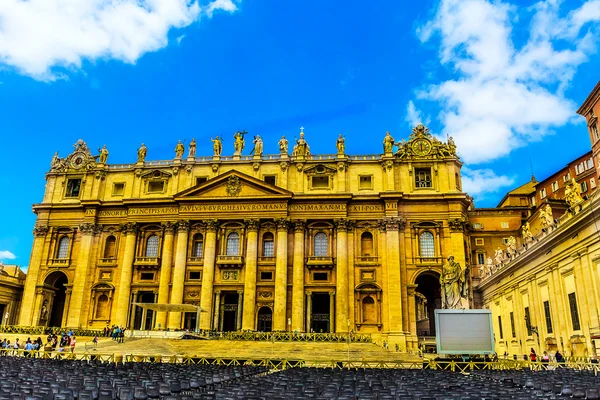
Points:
x=89, y=228
x=299, y=225
x=392, y=224
x=129, y=228
x=283, y=224
x=332, y=293
x=169, y=227
x=411, y=288
x=252, y=224
x=211, y=225
x=343, y=225
x=183, y=226
x=40, y=230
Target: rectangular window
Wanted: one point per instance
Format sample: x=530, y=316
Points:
x=320, y=276
x=593, y=183
x=527, y=321
x=423, y=178
x=500, y=327
x=512, y=324
x=595, y=131
x=583, y=186
x=543, y=193
x=268, y=248
x=574, y=312
x=320, y=182
x=147, y=276
x=504, y=225
x=548, y=316
x=195, y=275
x=365, y=181
x=156, y=186
x=480, y=258
x=201, y=179
x=266, y=275
x=479, y=241
x=477, y=225
x=533, y=201
x=589, y=164
x=554, y=186
x=579, y=168
x=270, y=179
x=118, y=189
x=73, y=188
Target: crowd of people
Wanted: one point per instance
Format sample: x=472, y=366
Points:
x=115, y=332
x=66, y=342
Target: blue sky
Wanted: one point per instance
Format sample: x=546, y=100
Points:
x=503, y=78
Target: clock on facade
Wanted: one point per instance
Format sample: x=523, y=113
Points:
x=421, y=147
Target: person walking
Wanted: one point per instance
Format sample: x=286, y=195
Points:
x=73, y=343
x=532, y=355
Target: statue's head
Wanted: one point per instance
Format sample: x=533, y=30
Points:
x=450, y=258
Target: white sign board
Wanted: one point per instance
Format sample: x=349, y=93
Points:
x=464, y=332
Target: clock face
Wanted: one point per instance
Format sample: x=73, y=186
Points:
x=421, y=147
x=78, y=160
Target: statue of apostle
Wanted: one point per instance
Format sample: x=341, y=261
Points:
x=142, y=151
x=283, y=145
x=192, y=152
x=179, y=149
x=341, y=144
x=103, y=155
x=452, y=283
x=239, y=142
x=217, y=146
x=258, y=146
x=388, y=143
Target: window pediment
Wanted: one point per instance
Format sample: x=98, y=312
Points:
x=320, y=170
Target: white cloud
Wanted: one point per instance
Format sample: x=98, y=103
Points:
x=414, y=117
x=502, y=97
x=179, y=39
x=6, y=255
x=43, y=38
x=480, y=182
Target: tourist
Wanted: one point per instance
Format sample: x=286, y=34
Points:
x=95, y=342
x=559, y=357
x=73, y=343
x=545, y=357
x=532, y=355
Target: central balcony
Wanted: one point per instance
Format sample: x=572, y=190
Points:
x=319, y=262
x=367, y=260
x=236, y=262
x=107, y=262
x=147, y=262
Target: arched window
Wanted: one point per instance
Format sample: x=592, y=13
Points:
x=268, y=245
x=366, y=244
x=197, y=245
x=63, y=248
x=233, y=244
x=152, y=246
x=110, y=247
x=369, y=312
x=102, y=307
x=321, y=245
x=426, y=244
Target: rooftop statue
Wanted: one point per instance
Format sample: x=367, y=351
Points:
x=341, y=144
x=388, y=143
x=103, y=155
x=526, y=234
x=546, y=217
x=142, y=151
x=301, y=148
x=179, y=149
x=283, y=145
x=572, y=193
x=192, y=150
x=217, y=146
x=239, y=142
x=258, y=146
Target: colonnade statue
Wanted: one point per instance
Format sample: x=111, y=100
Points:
x=454, y=284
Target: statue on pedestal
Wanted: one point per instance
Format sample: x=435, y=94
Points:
x=192, y=150
x=388, y=143
x=239, y=142
x=499, y=257
x=217, y=146
x=572, y=193
x=57, y=163
x=103, y=155
x=301, y=148
x=142, y=151
x=453, y=284
x=258, y=146
x=546, y=217
x=526, y=234
x=341, y=144
x=283, y=145
x=179, y=149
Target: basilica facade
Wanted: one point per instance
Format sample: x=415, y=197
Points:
x=286, y=242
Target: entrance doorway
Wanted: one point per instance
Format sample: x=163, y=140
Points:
x=189, y=321
x=3, y=319
x=265, y=319
x=143, y=297
x=229, y=312
x=320, y=313
x=428, y=284
x=56, y=281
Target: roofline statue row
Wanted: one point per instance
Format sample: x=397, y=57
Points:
x=421, y=144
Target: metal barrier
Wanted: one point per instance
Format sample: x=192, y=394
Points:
x=44, y=330
x=294, y=337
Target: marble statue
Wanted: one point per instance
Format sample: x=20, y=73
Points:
x=217, y=146
x=142, y=151
x=526, y=234
x=499, y=257
x=192, y=150
x=546, y=217
x=341, y=144
x=511, y=245
x=283, y=145
x=238, y=142
x=489, y=265
x=572, y=193
x=179, y=149
x=452, y=284
x=388, y=143
x=301, y=148
x=44, y=311
x=103, y=155
x=451, y=146
x=56, y=161
x=258, y=146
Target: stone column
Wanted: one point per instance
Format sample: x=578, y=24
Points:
x=341, y=281
x=279, y=314
x=298, y=279
x=331, y=311
x=165, y=272
x=208, y=273
x=412, y=311
x=81, y=274
x=395, y=284
x=27, y=318
x=217, y=314
x=250, y=275
x=238, y=316
x=129, y=229
x=183, y=228
x=308, y=309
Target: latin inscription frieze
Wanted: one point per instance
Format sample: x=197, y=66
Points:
x=233, y=207
x=366, y=208
x=150, y=211
x=317, y=207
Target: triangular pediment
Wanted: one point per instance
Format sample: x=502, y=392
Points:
x=233, y=184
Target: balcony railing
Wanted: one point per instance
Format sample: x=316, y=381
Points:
x=367, y=260
x=429, y=260
x=107, y=261
x=196, y=260
x=224, y=261
x=324, y=262
x=60, y=262
x=267, y=260
x=153, y=262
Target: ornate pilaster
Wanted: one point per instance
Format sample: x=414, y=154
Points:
x=298, y=278
x=183, y=229
x=280, y=314
x=28, y=302
x=341, y=284
x=40, y=231
x=165, y=271
x=392, y=224
x=247, y=322
x=130, y=230
x=208, y=273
